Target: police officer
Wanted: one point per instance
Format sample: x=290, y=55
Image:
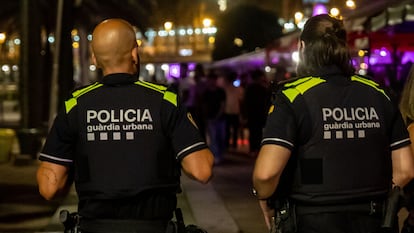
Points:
x=336, y=135
x=124, y=142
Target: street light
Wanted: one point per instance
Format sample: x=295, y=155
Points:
x=334, y=12
x=2, y=37
x=298, y=17
x=207, y=22
x=168, y=26
x=350, y=4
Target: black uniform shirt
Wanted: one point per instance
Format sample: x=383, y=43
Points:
x=124, y=137
x=341, y=131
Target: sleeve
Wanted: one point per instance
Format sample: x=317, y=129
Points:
x=399, y=136
x=181, y=127
x=280, y=128
x=60, y=142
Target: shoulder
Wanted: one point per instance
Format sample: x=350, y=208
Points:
x=368, y=82
x=85, y=89
x=295, y=87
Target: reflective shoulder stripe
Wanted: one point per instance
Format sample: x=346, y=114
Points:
x=171, y=97
x=300, y=87
x=152, y=86
x=168, y=95
x=369, y=83
x=71, y=103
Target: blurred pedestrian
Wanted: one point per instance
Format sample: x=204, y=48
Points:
x=256, y=105
x=214, y=98
x=121, y=141
x=196, y=93
x=234, y=97
x=334, y=144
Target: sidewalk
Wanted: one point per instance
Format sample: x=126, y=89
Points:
x=197, y=202
x=22, y=209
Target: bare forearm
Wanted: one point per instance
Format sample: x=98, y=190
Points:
x=402, y=166
x=52, y=183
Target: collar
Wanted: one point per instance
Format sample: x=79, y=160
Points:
x=329, y=71
x=119, y=79
x=334, y=74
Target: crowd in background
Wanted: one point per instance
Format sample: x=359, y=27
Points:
x=229, y=108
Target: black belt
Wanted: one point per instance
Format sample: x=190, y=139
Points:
x=371, y=208
x=122, y=225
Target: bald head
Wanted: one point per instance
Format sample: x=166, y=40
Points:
x=114, y=47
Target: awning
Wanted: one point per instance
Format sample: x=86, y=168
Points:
x=382, y=14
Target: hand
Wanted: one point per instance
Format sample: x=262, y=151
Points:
x=268, y=213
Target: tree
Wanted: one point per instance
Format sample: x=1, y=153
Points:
x=245, y=28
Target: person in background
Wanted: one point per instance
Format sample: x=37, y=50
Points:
x=334, y=144
x=196, y=93
x=121, y=141
x=256, y=105
x=234, y=97
x=185, y=84
x=214, y=99
x=407, y=111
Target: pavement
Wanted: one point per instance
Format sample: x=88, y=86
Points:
x=224, y=205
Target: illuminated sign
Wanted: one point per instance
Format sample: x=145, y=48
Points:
x=315, y=1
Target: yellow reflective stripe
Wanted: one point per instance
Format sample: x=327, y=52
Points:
x=297, y=82
x=168, y=95
x=302, y=87
x=71, y=103
x=161, y=87
x=171, y=97
x=291, y=94
x=370, y=83
x=86, y=89
x=152, y=86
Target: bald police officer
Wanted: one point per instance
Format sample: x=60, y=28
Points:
x=124, y=142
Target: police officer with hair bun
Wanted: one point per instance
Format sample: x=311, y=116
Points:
x=124, y=143
x=334, y=144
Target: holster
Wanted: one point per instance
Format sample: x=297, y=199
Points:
x=178, y=225
x=392, y=206
x=70, y=221
x=284, y=220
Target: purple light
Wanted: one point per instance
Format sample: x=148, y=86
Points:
x=175, y=70
x=191, y=66
x=407, y=57
x=319, y=9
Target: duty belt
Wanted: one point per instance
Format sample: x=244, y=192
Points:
x=371, y=208
x=122, y=225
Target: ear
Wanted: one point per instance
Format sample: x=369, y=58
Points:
x=301, y=46
x=135, y=59
x=135, y=56
x=93, y=57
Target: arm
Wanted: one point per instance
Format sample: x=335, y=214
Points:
x=269, y=166
x=402, y=166
x=403, y=162
x=410, y=129
x=52, y=179
x=198, y=165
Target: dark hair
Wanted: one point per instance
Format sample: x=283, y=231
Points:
x=325, y=45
